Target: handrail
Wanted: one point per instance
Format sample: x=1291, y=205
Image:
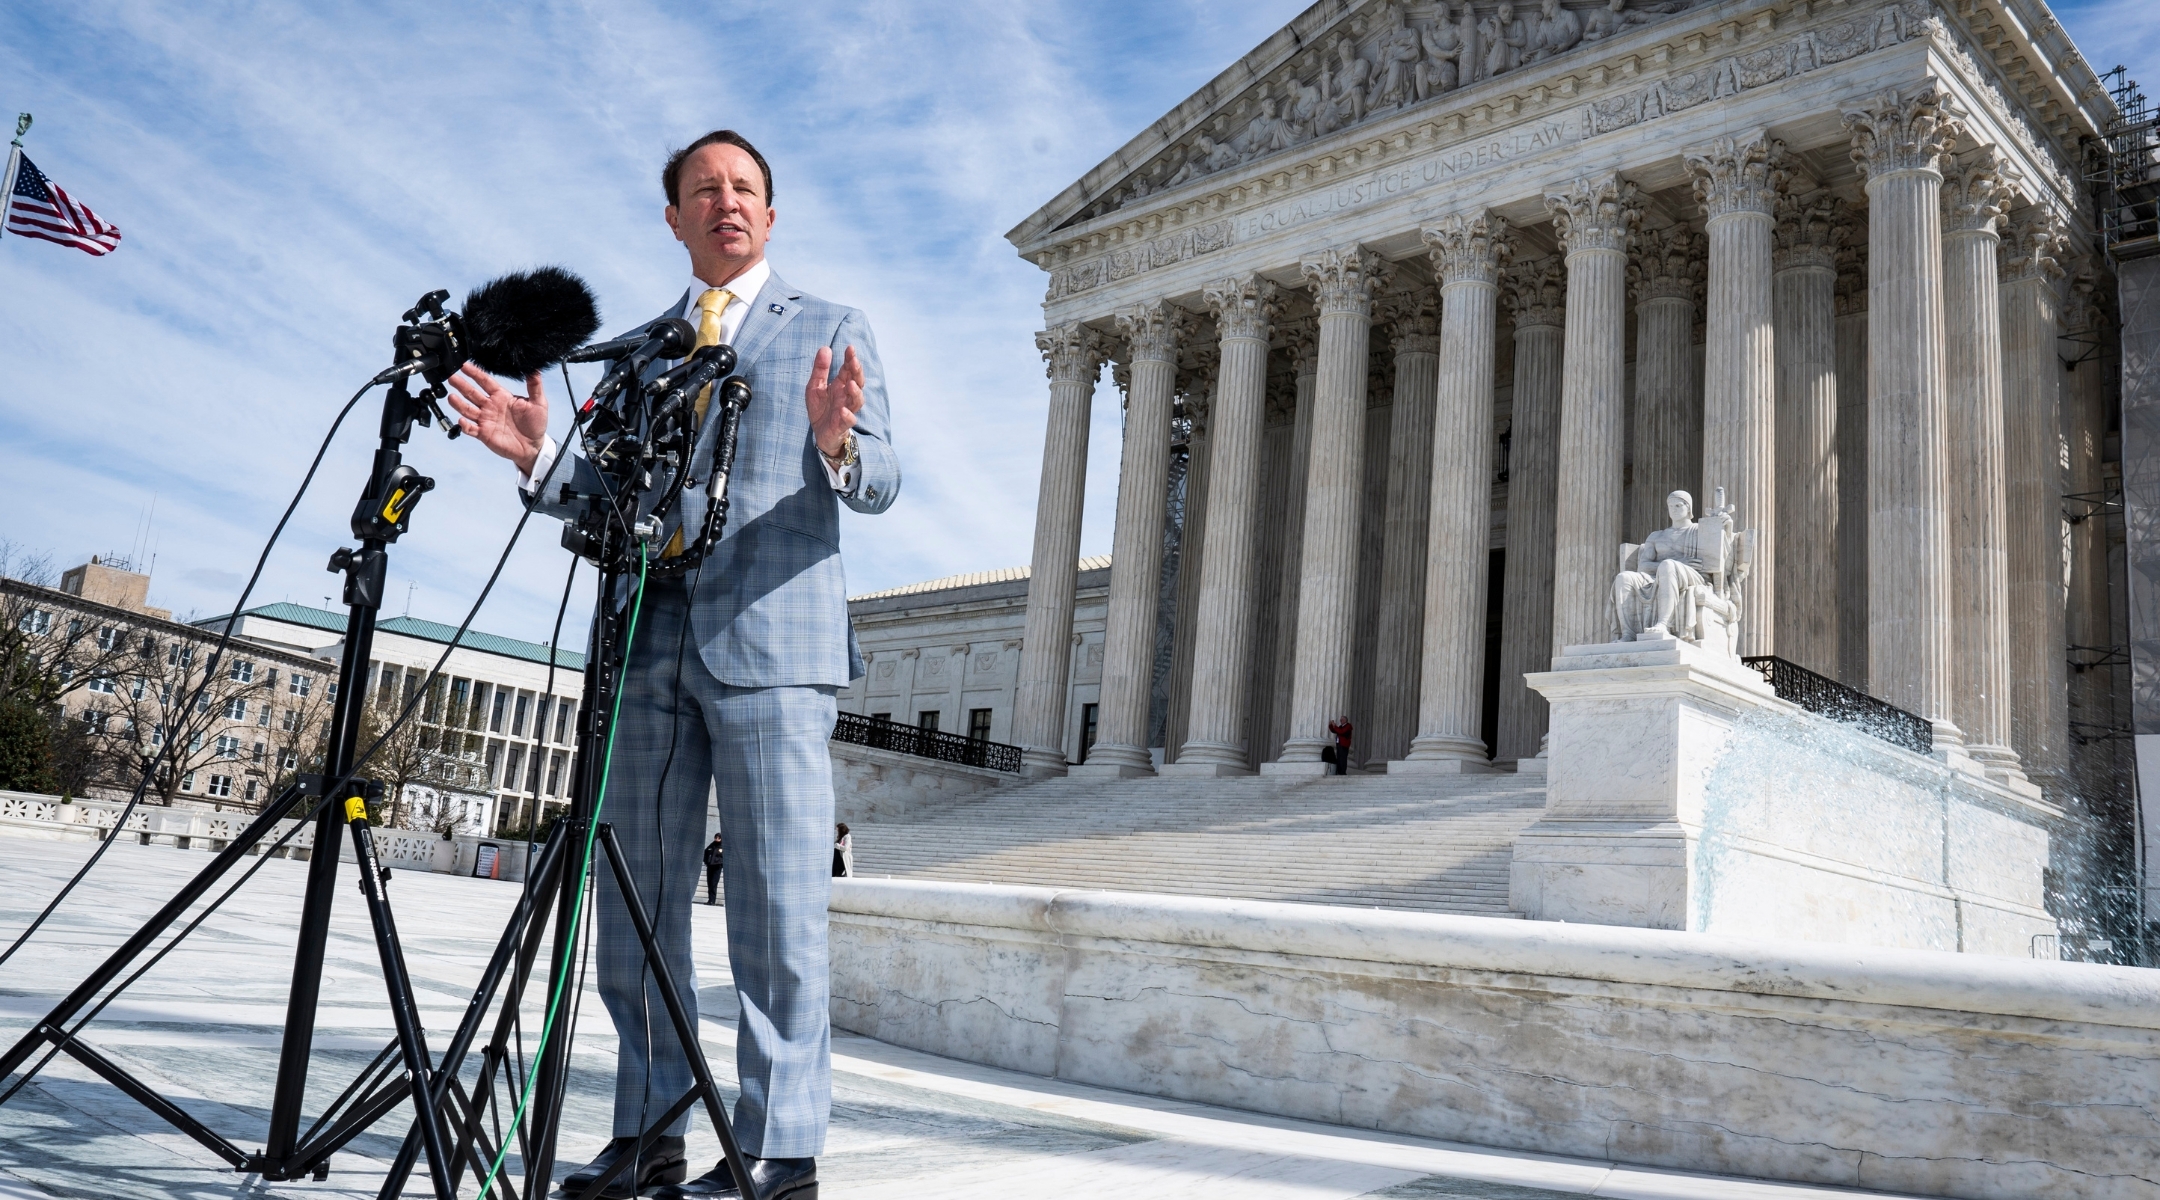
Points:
x=856, y=729
x=1825, y=696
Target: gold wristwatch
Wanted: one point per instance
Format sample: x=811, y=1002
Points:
x=847, y=456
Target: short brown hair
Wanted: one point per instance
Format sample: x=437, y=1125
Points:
x=671, y=174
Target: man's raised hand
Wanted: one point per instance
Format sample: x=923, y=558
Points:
x=833, y=398
x=510, y=425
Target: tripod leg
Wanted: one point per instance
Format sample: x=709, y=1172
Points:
x=176, y=908
x=404, y=1011
x=685, y=1024
x=519, y=945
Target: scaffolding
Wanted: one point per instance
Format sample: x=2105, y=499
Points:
x=2125, y=173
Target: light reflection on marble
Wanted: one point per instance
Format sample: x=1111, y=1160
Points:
x=203, y=1028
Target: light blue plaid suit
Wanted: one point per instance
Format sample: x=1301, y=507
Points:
x=751, y=710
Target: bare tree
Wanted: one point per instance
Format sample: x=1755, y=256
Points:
x=429, y=773
x=180, y=716
x=47, y=650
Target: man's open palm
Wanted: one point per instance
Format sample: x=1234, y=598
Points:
x=510, y=425
x=833, y=398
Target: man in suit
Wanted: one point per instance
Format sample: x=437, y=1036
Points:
x=751, y=707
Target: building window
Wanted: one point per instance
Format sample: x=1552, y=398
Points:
x=242, y=671
x=157, y=736
x=332, y=691
x=228, y=747
x=289, y=720
x=300, y=685
x=495, y=718
x=262, y=715
x=107, y=637
x=288, y=759
x=164, y=693
x=460, y=696
x=194, y=742
x=94, y=719
x=149, y=646
x=532, y=776
x=187, y=782
x=74, y=627
x=180, y=655
x=249, y=794
x=562, y=720
x=510, y=771
x=554, y=779
x=35, y=622
x=540, y=719
x=102, y=685
x=386, y=692
x=1087, y=730
x=236, y=708
x=494, y=760
x=927, y=720
x=260, y=751
x=524, y=709
x=220, y=786
x=979, y=724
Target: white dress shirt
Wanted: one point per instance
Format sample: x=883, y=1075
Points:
x=742, y=291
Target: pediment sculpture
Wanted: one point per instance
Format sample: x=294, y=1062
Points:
x=1683, y=581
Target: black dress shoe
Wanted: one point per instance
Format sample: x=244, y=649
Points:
x=776, y=1179
x=662, y=1163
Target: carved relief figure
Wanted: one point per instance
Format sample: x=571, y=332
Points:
x=1400, y=52
x=1268, y=132
x=1505, y=37
x=1307, y=103
x=1443, y=47
x=1347, y=88
x=1684, y=581
x=1558, y=31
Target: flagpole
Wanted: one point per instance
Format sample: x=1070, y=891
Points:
x=14, y=164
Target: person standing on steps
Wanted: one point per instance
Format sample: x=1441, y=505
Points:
x=843, y=852
x=712, y=871
x=1339, y=753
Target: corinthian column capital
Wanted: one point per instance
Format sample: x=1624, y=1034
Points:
x=1808, y=233
x=1536, y=292
x=1903, y=129
x=1470, y=247
x=1245, y=306
x=1744, y=174
x=1850, y=260
x=1668, y=264
x=1595, y=213
x=1978, y=188
x=2034, y=242
x=1301, y=340
x=1345, y=279
x=1413, y=320
x=1072, y=353
x=1153, y=331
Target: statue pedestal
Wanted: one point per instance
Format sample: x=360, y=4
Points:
x=1683, y=794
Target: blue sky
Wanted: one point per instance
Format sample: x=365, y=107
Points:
x=289, y=178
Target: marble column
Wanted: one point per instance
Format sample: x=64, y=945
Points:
x=1852, y=434
x=1803, y=307
x=1304, y=346
x=1737, y=183
x=1535, y=293
x=1074, y=354
x=1152, y=333
x=1899, y=139
x=1595, y=219
x=1343, y=282
x=1196, y=403
x=1414, y=336
x=1974, y=193
x=1281, y=412
x=1245, y=308
x=2032, y=251
x=1468, y=253
x=2085, y=422
x=1667, y=275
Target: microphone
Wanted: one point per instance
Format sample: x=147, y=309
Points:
x=709, y=362
x=670, y=337
x=528, y=321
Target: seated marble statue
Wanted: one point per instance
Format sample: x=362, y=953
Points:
x=1684, y=581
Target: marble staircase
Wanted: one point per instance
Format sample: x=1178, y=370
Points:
x=1430, y=843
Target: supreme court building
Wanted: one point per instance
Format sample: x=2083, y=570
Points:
x=1439, y=302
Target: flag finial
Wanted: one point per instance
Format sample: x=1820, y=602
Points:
x=22, y=126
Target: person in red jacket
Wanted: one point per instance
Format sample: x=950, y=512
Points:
x=1339, y=753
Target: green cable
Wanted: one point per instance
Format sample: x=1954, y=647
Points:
x=577, y=903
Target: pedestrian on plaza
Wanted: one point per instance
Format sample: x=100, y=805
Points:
x=712, y=871
x=843, y=852
x=1339, y=753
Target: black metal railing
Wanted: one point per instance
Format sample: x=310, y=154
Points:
x=1827, y=697
x=859, y=730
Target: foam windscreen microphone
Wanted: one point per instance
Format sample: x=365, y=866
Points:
x=528, y=321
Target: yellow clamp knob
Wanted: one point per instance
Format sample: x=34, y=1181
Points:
x=355, y=808
x=393, y=511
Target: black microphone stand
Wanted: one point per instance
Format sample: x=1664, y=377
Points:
x=378, y=520
x=618, y=532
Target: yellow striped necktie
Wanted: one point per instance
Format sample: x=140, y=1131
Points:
x=710, y=304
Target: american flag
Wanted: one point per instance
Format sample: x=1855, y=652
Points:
x=41, y=210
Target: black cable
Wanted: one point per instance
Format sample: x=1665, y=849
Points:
x=209, y=673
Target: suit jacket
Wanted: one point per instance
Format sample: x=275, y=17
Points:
x=770, y=605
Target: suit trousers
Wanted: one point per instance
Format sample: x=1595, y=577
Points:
x=762, y=752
